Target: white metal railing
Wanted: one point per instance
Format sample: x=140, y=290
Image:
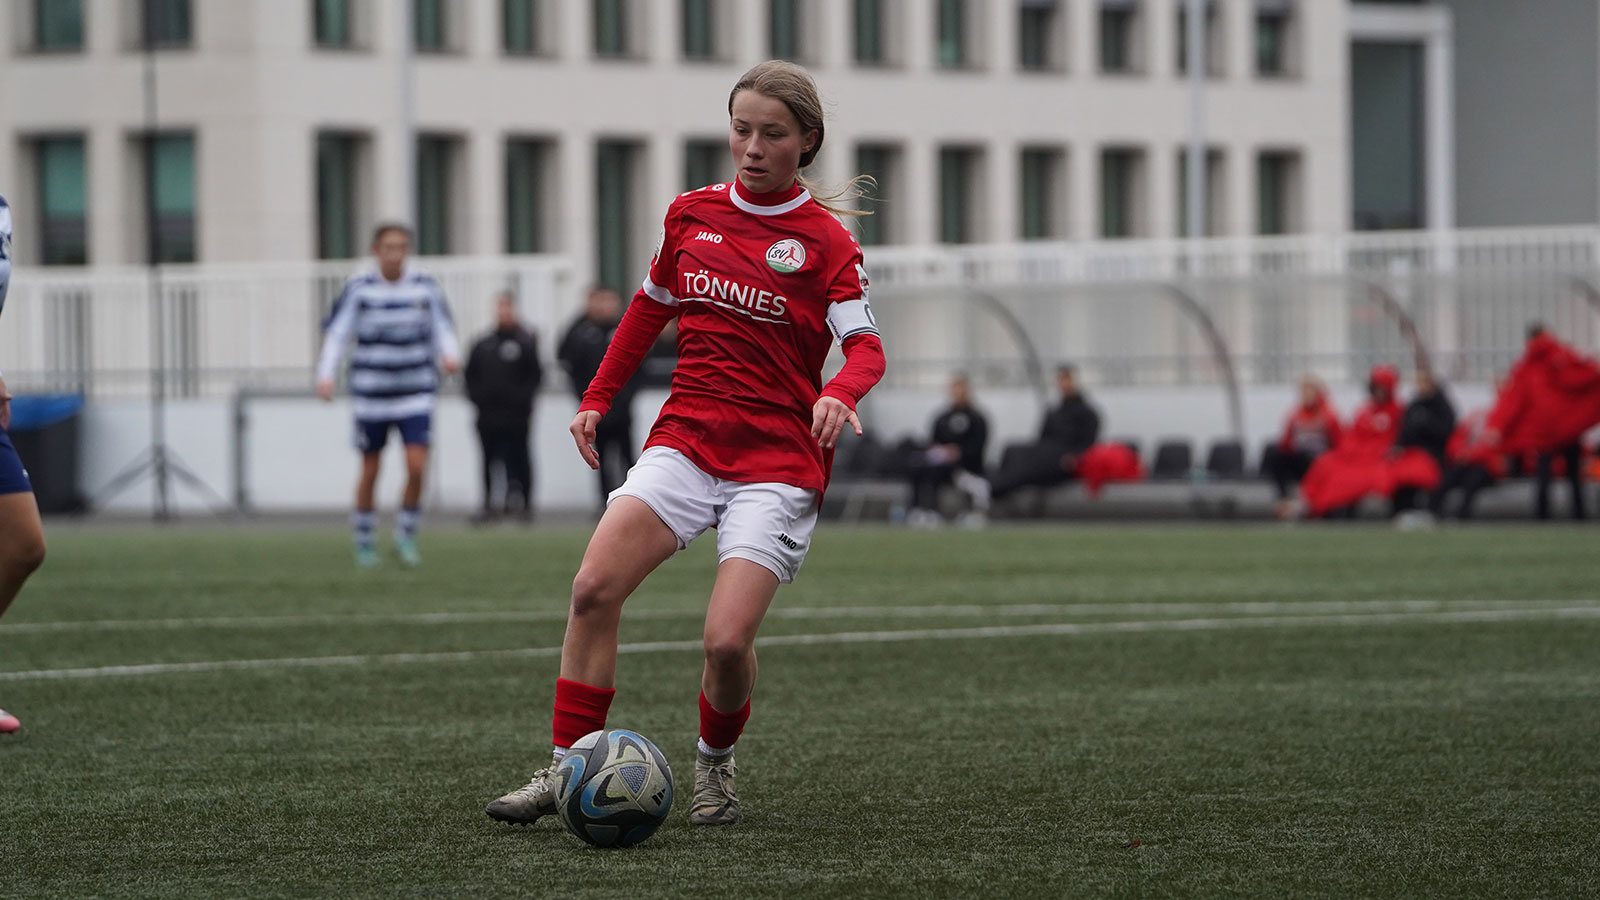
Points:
x=1125, y=311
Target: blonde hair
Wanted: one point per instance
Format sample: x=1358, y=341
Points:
x=793, y=86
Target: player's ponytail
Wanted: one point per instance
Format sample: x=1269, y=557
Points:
x=792, y=85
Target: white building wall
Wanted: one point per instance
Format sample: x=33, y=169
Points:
x=256, y=92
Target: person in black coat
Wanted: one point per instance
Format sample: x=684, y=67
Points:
x=503, y=375
x=1426, y=425
x=960, y=436
x=581, y=351
x=1069, y=428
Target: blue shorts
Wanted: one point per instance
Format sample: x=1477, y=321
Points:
x=13, y=477
x=371, y=435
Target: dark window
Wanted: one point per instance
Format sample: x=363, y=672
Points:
x=957, y=171
x=783, y=39
x=1272, y=37
x=869, y=31
x=1387, y=111
x=63, y=201
x=610, y=28
x=1116, y=36
x=1208, y=32
x=1274, y=174
x=170, y=197
x=58, y=24
x=878, y=162
x=615, y=162
x=165, y=23
x=519, y=26
x=330, y=22
x=1041, y=174
x=1118, y=171
x=526, y=180
x=699, y=29
x=435, y=171
x=1036, y=22
x=336, y=196
x=951, y=25
x=429, y=29
x=705, y=162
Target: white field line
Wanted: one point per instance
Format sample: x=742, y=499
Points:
x=1523, y=613
x=1237, y=607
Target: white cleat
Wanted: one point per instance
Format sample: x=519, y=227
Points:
x=715, y=802
x=529, y=803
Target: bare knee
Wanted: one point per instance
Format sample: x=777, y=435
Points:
x=725, y=654
x=24, y=555
x=593, y=593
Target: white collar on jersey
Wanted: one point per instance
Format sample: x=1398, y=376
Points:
x=736, y=194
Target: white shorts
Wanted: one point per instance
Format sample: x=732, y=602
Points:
x=766, y=522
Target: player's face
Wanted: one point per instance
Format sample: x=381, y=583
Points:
x=766, y=142
x=391, y=248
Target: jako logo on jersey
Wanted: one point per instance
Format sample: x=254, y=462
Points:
x=703, y=284
x=786, y=255
x=787, y=541
x=711, y=236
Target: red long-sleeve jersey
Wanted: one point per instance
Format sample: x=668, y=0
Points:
x=761, y=286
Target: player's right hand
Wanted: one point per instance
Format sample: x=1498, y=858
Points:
x=5, y=406
x=582, y=428
x=325, y=389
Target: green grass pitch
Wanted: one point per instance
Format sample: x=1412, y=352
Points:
x=1021, y=712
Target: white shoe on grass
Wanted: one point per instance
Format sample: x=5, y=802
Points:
x=715, y=802
x=529, y=803
x=405, y=549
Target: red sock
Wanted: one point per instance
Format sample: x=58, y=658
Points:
x=579, y=709
x=719, y=729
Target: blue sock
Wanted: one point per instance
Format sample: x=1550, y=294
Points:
x=362, y=524
x=405, y=524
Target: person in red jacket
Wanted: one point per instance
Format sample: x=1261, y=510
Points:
x=763, y=279
x=1551, y=397
x=1311, y=430
x=1475, y=462
x=1354, y=468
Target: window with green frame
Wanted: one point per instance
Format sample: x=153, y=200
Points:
x=784, y=38
x=170, y=201
x=1273, y=18
x=611, y=28
x=435, y=173
x=705, y=161
x=330, y=23
x=519, y=27
x=1116, y=36
x=63, y=200
x=1274, y=184
x=526, y=194
x=615, y=265
x=950, y=40
x=870, y=44
x=957, y=171
x=877, y=161
x=165, y=23
x=1036, y=35
x=699, y=28
x=1040, y=175
x=1119, y=169
x=58, y=25
x=336, y=196
x=430, y=26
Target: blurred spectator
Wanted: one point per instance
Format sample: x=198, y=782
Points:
x=503, y=376
x=1312, y=430
x=1338, y=479
x=582, y=349
x=1551, y=397
x=960, y=436
x=1068, y=430
x=1474, y=463
x=1426, y=425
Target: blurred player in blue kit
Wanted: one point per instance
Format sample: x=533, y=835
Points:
x=403, y=336
x=21, y=533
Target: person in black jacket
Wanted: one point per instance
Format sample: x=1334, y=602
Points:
x=582, y=349
x=1427, y=423
x=960, y=436
x=1070, y=428
x=503, y=376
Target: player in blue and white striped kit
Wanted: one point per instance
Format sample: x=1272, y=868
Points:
x=403, y=335
x=21, y=534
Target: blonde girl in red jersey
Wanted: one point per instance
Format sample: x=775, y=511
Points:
x=762, y=279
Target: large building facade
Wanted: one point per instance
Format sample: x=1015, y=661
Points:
x=284, y=129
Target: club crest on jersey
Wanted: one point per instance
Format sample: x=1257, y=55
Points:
x=786, y=255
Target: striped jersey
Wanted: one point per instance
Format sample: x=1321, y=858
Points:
x=401, y=330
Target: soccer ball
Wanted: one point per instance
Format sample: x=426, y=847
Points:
x=614, y=788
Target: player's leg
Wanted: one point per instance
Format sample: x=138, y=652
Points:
x=369, y=440
x=21, y=538
x=415, y=433
x=762, y=539
x=665, y=503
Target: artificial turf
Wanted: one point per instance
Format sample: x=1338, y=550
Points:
x=1245, y=712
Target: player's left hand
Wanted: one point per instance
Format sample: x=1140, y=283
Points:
x=828, y=418
x=5, y=406
x=450, y=365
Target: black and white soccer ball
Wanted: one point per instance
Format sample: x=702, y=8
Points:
x=613, y=788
